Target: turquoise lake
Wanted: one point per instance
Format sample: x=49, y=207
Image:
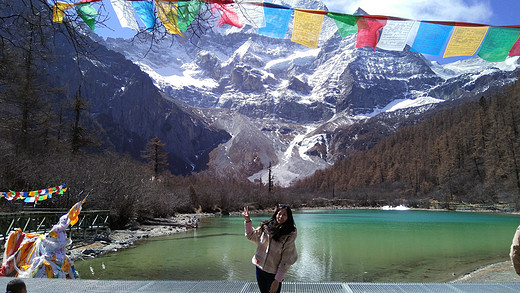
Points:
x=333, y=246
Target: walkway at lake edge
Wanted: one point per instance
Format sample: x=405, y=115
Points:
x=116, y=286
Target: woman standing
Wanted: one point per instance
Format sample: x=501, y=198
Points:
x=276, y=250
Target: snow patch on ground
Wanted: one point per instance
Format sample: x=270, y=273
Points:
x=179, y=81
x=404, y=104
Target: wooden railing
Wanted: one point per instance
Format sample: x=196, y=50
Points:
x=90, y=224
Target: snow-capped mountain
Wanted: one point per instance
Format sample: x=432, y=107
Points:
x=296, y=108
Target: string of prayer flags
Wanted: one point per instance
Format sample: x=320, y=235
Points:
x=146, y=12
x=465, y=40
x=35, y=195
x=277, y=19
x=125, y=13
x=430, y=38
x=307, y=27
x=59, y=9
x=167, y=13
x=498, y=43
x=368, y=31
x=446, y=39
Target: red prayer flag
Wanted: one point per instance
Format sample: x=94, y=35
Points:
x=228, y=15
x=368, y=31
x=515, y=50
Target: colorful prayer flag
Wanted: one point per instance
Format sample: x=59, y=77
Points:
x=58, y=11
x=465, y=40
x=276, y=21
x=29, y=199
x=515, y=51
x=228, y=14
x=74, y=212
x=346, y=23
x=430, y=38
x=125, y=13
x=395, y=35
x=88, y=13
x=498, y=43
x=307, y=27
x=146, y=11
x=167, y=13
x=251, y=13
x=368, y=32
x=186, y=13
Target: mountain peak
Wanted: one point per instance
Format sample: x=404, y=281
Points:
x=360, y=11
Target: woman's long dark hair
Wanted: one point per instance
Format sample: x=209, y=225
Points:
x=275, y=230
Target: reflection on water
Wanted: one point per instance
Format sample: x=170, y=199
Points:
x=333, y=246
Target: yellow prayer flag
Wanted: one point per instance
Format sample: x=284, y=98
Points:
x=167, y=13
x=465, y=40
x=58, y=10
x=307, y=28
x=73, y=214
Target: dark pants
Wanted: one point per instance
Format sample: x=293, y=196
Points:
x=264, y=281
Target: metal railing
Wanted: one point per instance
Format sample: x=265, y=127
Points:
x=90, y=224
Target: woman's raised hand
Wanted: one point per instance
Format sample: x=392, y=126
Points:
x=245, y=214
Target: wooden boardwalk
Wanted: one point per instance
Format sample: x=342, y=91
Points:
x=113, y=286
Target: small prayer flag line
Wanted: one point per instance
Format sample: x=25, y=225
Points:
x=35, y=195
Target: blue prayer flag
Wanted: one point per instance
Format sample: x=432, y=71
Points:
x=431, y=38
x=146, y=11
x=276, y=22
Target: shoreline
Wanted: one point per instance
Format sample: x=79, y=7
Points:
x=124, y=239
x=502, y=272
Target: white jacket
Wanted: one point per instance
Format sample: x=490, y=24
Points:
x=274, y=257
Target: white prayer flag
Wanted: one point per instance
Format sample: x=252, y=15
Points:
x=395, y=34
x=125, y=13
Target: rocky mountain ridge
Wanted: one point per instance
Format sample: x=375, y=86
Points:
x=302, y=109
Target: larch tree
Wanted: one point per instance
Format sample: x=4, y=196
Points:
x=155, y=155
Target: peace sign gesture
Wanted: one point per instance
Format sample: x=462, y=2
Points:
x=245, y=214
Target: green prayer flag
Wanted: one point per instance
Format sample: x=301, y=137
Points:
x=498, y=43
x=346, y=23
x=186, y=13
x=88, y=13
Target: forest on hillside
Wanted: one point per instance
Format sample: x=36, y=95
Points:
x=466, y=154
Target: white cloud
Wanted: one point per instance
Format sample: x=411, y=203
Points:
x=446, y=10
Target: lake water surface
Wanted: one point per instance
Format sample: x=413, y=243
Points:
x=333, y=246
